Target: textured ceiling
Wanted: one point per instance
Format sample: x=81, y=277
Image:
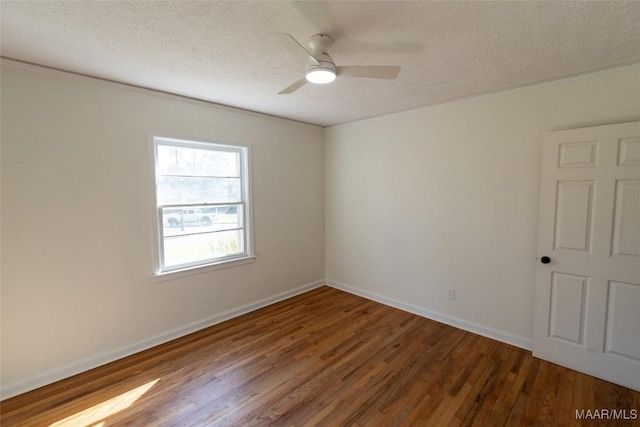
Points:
x=221, y=52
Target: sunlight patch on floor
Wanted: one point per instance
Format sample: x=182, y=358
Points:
x=96, y=415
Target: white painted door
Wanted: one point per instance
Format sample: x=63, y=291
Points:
x=587, y=307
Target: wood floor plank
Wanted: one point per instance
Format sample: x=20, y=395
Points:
x=325, y=358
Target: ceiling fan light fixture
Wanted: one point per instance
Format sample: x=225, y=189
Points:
x=320, y=68
x=321, y=75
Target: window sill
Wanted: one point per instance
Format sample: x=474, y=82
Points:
x=176, y=274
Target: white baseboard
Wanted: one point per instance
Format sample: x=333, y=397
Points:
x=24, y=385
x=30, y=383
x=476, y=328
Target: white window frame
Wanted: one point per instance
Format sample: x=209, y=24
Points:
x=161, y=272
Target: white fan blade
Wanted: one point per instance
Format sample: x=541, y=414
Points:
x=369, y=71
x=292, y=88
x=301, y=54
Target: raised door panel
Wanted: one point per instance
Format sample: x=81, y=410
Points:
x=574, y=214
x=623, y=310
x=626, y=226
x=629, y=151
x=568, y=298
x=578, y=154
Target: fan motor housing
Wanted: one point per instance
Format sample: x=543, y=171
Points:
x=323, y=65
x=320, y=42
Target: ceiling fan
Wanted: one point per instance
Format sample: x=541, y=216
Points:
x=320, y=67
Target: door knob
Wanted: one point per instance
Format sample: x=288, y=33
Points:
x=545, y=260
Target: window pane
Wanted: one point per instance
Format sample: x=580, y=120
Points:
x=201, y=219
x=175, y=190
x=180, y=250
x=184, y=161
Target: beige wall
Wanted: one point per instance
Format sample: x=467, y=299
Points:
x=77, y=255
x=447, y=197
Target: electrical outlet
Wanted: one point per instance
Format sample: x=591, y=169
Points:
x=452, y=294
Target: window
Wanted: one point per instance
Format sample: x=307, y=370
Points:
x=202, y=203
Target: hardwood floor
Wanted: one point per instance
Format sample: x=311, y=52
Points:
x=325, y=358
